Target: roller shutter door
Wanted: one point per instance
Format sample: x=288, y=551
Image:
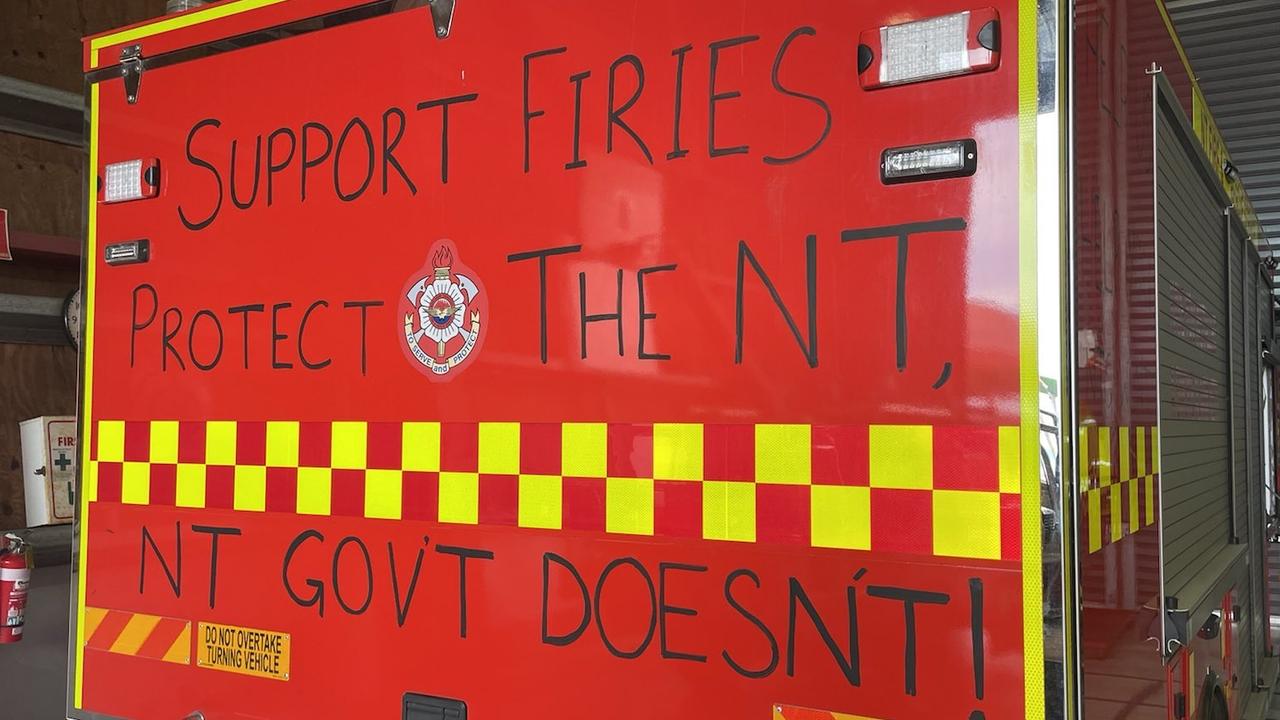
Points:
x=1195, y=433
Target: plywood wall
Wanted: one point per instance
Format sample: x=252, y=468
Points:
x=40, y=39
x=34, y=379
x=42, y=187
x=39, y=380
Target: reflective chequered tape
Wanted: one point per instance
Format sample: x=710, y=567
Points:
x=1118, y=468
x=945, y=490
x=138, y=634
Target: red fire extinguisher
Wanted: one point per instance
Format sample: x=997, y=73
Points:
x=15, y=577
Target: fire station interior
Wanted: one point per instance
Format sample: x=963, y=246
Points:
x=1218, y=547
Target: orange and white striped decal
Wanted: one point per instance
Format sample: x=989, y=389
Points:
x=791, y=712
x=138, y=634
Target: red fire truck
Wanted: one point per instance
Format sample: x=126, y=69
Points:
x=691, y=360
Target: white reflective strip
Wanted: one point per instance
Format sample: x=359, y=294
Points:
x=15, y=574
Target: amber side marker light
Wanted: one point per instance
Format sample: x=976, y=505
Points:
x=944, y=46
x=130, y=180
x=128, y=253
x=954, y=158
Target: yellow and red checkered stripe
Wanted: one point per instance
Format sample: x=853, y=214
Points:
x=138, y=634
x=946, y=490
x=1118, y=470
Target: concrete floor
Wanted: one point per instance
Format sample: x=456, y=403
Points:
x=33, y=672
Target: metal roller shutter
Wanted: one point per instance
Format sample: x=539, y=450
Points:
x=1237, y=352
x=1193, y=341
x=1261, y=299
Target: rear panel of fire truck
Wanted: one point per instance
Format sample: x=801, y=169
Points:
x=692, y=360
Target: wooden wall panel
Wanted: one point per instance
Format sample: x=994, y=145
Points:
x=34, y=380
x=41, y=184
x=41, y=38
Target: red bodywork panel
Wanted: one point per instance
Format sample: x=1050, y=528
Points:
x=202, y=25
x=845, y=354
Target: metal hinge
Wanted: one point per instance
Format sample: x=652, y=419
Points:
x=441, y=16
x=131, y=70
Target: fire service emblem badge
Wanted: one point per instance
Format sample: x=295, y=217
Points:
x=444, y=308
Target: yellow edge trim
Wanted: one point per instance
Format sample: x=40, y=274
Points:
x=86, y=425
x=1248, y=211
x=1177, y=43
x=1028, y=363
x=174, y=23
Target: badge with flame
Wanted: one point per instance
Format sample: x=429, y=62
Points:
x=444, y=309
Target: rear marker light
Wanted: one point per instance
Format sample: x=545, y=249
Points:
x=944, y=46
x=955, y=158
x=131, y=180
x=128, y=253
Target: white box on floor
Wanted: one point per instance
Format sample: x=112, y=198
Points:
x=49, y=469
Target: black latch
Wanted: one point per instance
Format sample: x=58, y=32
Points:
x=426, y=707
x=1176, y=621
x=1180, y=706
x=1212, y=626
x=131, y=71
